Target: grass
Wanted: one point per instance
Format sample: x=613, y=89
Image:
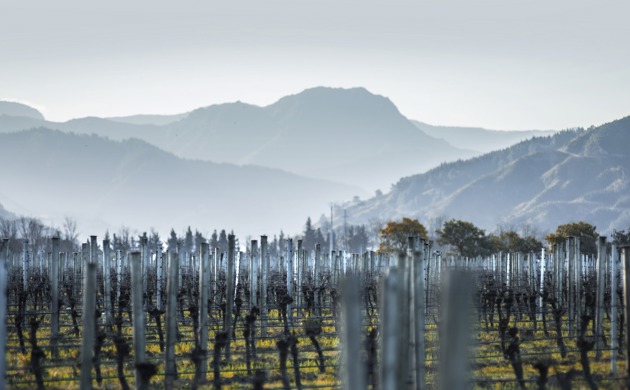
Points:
x=490, y=370
x=63, y=373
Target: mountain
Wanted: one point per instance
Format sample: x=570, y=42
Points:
x=346, y=135
x=10, y=124
x=19, y=110
x=5, y=214
x=546, y=181
x=107, y=184
x=157, y=120
x=479, y=139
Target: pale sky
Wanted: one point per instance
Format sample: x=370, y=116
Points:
x=502, y=64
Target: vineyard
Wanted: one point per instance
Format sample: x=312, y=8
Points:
x=104, y=319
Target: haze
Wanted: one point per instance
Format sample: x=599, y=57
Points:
x=497, y=64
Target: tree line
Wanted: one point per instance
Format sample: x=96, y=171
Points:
x=467, y=240
x=463, y=238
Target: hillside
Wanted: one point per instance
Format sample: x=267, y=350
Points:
x=107, y=184
x=346, y=135
x=19, y=110
x=479, y=139
x=545, y=181
x=141, y=119
x=5, y=214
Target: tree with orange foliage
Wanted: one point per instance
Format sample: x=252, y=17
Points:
x=395, y=235
x=584, y=230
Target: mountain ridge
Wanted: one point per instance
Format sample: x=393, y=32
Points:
x=106, y=184
x=545, y=181
x=8, y=108
x=478, y=138
x=345, y=135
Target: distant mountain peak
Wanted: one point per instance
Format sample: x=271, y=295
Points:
x=340, y=102
x=20, y=110
x=335, y=93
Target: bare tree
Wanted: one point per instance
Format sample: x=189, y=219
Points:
x=33, y=230
x=9, y=229
x=70, y=229
x=70, y=233
x=123, y=240
x=374, y=227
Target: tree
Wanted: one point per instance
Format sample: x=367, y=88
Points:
x=374, y=227
x=465, y=237
x=321, y=240
x=585, y=231
x=34, y=231
x=531, y=244
x=70, y=233
x=188, y=241
x=281, y=245
x=199, y=239
x=122, y=240
x=154, y=242
x=621, y=237
x=309, y=239
x=223, y=242
x=237, y=244
x=214, y=240
x=357, y=239
x=272, y=247
x=172, y=242
x=395, y=235
x=511, y=241
x=9, y=229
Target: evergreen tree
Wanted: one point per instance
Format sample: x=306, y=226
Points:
x=310, y=236
x=223, y=242
x=199, y=239
x=214, y=240
x=172, y=242
x=188, y=241
x=321, y=240
x=154, y=241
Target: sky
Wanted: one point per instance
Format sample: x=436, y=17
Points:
x=499, y=64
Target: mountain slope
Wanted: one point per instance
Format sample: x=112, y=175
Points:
x=345, y=135
x=107, y=184
x=479, y=139
x=5, y=214
x=19, y=110
x=142, y=119
x=545, y=181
